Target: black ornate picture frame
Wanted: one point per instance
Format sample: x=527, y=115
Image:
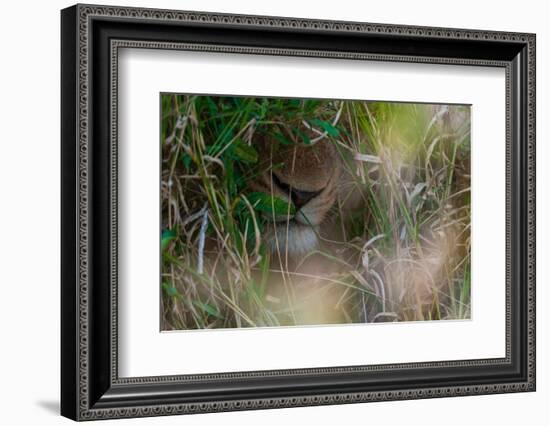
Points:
x=90, y=385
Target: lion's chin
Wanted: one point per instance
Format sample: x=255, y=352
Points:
x=292, y=239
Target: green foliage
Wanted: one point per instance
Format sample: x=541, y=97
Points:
x=244, y=152
x=326, y=126
x=170, y=290
x=265, y=203
x=168, y=235
x=210, y=310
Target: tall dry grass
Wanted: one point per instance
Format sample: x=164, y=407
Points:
x=402, y=221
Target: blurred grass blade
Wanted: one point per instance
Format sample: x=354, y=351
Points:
x=245, y=152
x=168, y=235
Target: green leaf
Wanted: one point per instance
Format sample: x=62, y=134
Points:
x=167, y=236
x=310, y=105
x=212, y=106
x=170, y=290
x=305, y=138
x=266, y=203
x=264, y=105
x=282, y=138
x=186, y=159
x=294, y=103
x=210, y=310
x=326, y=126
x=245, y=152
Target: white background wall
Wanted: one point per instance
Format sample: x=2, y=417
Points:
x=29, y=212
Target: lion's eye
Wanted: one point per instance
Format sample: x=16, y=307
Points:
x=299, y=198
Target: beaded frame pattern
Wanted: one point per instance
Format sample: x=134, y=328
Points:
x=87, y=12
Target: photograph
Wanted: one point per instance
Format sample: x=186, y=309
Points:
x=279, y=212
x=266, y=209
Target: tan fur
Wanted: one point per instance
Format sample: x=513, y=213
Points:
x=306, y=167
x=313, y=169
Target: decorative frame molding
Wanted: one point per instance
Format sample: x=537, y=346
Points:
x=91, y=37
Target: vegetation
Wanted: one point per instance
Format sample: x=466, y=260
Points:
x=403, y=256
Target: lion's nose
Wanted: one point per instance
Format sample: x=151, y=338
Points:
x=301, y=198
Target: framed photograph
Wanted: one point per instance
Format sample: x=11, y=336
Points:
x=263, y=212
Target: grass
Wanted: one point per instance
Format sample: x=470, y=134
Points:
x=402, y=251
